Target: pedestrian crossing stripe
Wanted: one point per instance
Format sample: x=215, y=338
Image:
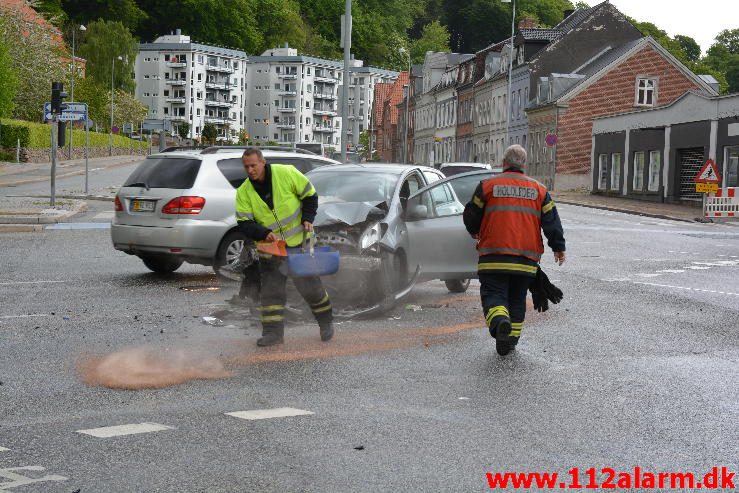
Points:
x=121, y=430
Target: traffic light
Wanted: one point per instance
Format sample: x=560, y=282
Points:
x=57, y=96
x=62, y=134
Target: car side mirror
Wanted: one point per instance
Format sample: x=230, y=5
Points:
x=417, y=212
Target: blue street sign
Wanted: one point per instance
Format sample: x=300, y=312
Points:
x=74, y=112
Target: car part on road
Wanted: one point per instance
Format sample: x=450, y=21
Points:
x=162, y=264
x=457, y=285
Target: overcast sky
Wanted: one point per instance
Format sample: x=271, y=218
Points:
x=702, y=20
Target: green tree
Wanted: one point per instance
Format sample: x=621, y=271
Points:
x=434, y=37
x=8, y=79
x=209, y=134
x=183, y=129
x=280, y=22
x=87, y=11
x=732, y=76
x=729, y=38
x=52, y=10
x=127, y=109
x=103, y=43
x=36, y=61
x=97, y=97
x=690, y=47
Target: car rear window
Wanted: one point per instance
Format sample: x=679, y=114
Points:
x=177, y=173
x=455, y=170
x=234, y=172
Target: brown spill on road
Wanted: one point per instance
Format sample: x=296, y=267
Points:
x=140, y=368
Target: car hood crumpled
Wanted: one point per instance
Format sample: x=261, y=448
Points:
x=348, y=213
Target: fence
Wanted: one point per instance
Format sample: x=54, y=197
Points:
x=723, y=203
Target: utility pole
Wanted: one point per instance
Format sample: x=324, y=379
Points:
x=347, y=45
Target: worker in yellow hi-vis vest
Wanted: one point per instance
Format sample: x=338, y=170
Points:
x=277, y=202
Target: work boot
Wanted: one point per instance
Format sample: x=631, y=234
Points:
x=327, y=331
x=503, y=341
x=271, y=336
x=504, y=347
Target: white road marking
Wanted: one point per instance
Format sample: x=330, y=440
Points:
x=686, y=288
x=697, y=267
x=121, y=430
x=9, y=283
x=25, y=316
x=104, y=215
x=671, y=271
x=3, y=449
x=280, y=412
x=618, y=279
x=20, y=480
x=648, y=275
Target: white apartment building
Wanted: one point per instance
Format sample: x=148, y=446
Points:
x=188, y=82
x=292, y=98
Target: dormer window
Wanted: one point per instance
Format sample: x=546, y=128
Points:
x=646, y=91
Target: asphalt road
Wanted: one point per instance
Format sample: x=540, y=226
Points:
x=638, y=366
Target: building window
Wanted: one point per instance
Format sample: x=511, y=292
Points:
x=615, y=171
x=654, y=169
x=732, y=167
x=645, y=92
x=639, y=161
x=602, y=171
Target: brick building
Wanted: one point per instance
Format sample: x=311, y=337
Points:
x=388, y=152
x=377, y=137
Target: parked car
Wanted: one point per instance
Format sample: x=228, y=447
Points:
x=393, y=224
x=179, y=206
x=451, y=169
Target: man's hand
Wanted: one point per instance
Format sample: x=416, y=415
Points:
x=271, y=237
x=307, y=226
x=559, y=257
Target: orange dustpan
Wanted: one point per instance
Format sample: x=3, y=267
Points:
x=277, y=248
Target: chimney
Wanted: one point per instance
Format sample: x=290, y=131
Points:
x=568, y=13
x=527, y=23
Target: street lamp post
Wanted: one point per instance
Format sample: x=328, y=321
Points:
x=510, y=72
x=74, y=75
x=407, y=103
x=112, y=93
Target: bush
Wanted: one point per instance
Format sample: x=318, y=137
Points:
x=38, y=136
x=9, y=135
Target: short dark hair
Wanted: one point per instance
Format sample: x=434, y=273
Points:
x=253, y=150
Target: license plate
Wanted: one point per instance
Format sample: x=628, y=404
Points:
x=142, y=205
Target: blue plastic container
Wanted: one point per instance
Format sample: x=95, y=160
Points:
x=323, y=262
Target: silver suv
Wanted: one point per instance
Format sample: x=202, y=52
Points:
x=179, y=206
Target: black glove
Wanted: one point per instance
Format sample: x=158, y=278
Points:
x=543, y=291
x=553, y=293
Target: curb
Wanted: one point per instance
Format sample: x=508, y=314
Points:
x=25, y=181
x=20, y=228
x=627, y=211
x=35, y=223
x=103, y=198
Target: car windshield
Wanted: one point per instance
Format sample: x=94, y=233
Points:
x=464, y=186
x=455, y=170
x=154, y=172
x=355, y=186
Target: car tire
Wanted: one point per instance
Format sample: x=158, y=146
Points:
x=162, y=264
x=457, y=285
x=229, y=251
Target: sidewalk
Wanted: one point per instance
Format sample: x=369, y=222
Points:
x=31, y=213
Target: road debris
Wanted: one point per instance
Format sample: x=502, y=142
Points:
x=215, y=322
x=414, y=308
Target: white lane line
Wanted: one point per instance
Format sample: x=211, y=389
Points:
x=9, y=283
x=672, y=271
x=647, y=275
x=698, y=290
x=104, y=215
x=121, y=430
x=3, y=449
x=25, y=316
x=280, y=412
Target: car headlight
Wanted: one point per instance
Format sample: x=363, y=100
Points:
x=370, y=237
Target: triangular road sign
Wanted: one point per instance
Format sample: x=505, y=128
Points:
x=708, y=174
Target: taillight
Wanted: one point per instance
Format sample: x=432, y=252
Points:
x=184, y=205
x=118, y=204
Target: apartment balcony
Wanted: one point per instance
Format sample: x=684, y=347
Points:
x=286, y=110
x=326, y=79
x=176, y=100
x=287, y=76
x=220, y=68
x=219, y=120
x=286, y=126
x=323, y=129
x=288, y=93
x=176, y=64
x=319, y=95
x=324, y=112
x=176, y=118
x=218, y=85
x=217, y=104
x=176, y=82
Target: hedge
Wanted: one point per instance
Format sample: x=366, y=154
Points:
x=38, y=136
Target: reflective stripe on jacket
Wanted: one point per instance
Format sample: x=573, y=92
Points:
x=289, y=188
x=511, y=226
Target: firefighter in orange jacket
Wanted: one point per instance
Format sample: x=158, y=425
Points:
x=507, y=214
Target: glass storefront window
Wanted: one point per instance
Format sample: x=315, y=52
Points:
x=732, y=167
x=615, y=171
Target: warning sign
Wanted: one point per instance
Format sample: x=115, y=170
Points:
x=706, y=187
x=708, y=174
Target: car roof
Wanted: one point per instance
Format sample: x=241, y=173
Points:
x=195, y=153
x=481, y=173
x=371, y=168
x=474, y=165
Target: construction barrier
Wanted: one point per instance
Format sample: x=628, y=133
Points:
x=723, y=203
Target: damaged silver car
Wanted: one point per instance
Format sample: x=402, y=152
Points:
x=394, y=225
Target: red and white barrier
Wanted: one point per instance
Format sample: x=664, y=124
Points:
x=723, y=203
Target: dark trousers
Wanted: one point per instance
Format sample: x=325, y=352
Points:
x=273, y=277
x=504, y=297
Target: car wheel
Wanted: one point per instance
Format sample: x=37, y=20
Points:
x=229, y=251
x=457, y=285
x=162, y=264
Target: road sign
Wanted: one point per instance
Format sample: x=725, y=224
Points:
x=706, y=187
x=115, y=130
x=127, y=128
x=551, y=140
x=708, y=174
x=73, y=112
x=72, y=117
